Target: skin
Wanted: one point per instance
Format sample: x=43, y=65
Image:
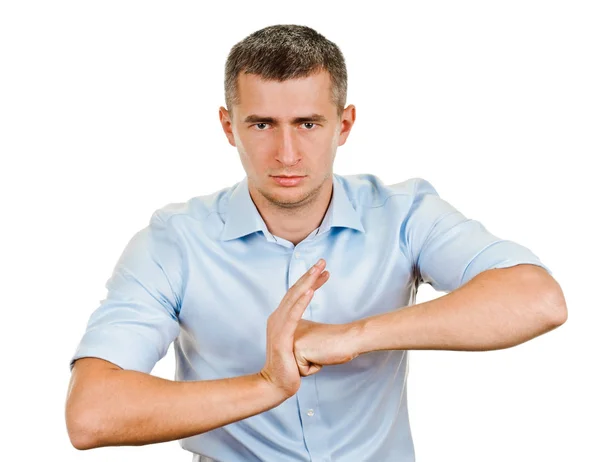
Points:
x=292, y=128
x=499, y=308
x=108, y=406
x=276, y=143
x=495, y=304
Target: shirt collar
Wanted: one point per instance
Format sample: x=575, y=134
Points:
x=341, y=213
x=243, y=218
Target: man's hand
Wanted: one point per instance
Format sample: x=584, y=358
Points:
x=317, y=345
x=280, y=369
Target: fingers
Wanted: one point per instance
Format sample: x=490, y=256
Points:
x=313, y=369
x=323, y=277
x=306, y=281
x=309, y=369
x=301, y=294
x=297, y=309
x=305, y=367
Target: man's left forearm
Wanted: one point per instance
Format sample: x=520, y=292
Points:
x=497, y=309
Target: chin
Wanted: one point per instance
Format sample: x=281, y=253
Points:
x=286, y=197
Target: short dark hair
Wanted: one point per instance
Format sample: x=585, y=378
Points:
x=282, y=52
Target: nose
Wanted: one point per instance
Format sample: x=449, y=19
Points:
x=287, y=150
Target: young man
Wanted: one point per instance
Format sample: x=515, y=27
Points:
x=277, y=358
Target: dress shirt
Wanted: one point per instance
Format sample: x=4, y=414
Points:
x=207, y=273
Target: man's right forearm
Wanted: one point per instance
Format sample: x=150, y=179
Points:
x=124, y=407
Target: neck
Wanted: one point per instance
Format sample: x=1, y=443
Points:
x=295, y=223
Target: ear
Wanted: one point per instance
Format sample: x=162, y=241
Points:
x=225, y=119
x=348, y=118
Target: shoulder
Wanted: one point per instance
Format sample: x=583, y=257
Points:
x=197, y=209
x=369, y=191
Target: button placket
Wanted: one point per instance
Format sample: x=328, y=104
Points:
x=308, y=404
x=297, y=268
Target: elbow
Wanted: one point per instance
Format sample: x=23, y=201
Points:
x=556, y=306
x=82, y=428
x=86, y=411
x=547, y=296
x=558, y=313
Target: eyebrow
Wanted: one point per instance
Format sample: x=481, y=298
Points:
x=254, y=118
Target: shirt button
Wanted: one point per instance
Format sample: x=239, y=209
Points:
x=297, y=256
x=310, y=412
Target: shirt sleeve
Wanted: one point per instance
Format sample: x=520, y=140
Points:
x=138, y=320
x=448, y=249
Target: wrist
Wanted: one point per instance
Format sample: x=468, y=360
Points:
x=355, y=337
x=271, y=388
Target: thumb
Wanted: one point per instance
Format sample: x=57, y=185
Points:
x=305, y=367
x=313, y=369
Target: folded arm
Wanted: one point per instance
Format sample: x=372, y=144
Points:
x=110, y=406
x=497, y=309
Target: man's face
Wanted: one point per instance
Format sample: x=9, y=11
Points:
x=288, y=128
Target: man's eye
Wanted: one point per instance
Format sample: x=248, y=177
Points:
x=261, y=126
x=308, y=125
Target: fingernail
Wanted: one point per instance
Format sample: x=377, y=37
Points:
x=314, y=268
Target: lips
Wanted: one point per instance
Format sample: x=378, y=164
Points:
x=288, y=180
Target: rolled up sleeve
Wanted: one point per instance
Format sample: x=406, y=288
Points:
x=138, y=320
x=449, y=249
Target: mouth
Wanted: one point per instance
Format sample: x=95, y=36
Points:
x=284, y=180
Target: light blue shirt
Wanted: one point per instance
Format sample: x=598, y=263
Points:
x=207, y=273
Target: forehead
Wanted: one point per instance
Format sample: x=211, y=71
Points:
x=289, y=98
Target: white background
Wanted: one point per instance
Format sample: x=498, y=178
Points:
x=109, y=111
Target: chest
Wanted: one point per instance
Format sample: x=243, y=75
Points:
x=232, y=290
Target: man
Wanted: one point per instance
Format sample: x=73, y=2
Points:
x=277, y=358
